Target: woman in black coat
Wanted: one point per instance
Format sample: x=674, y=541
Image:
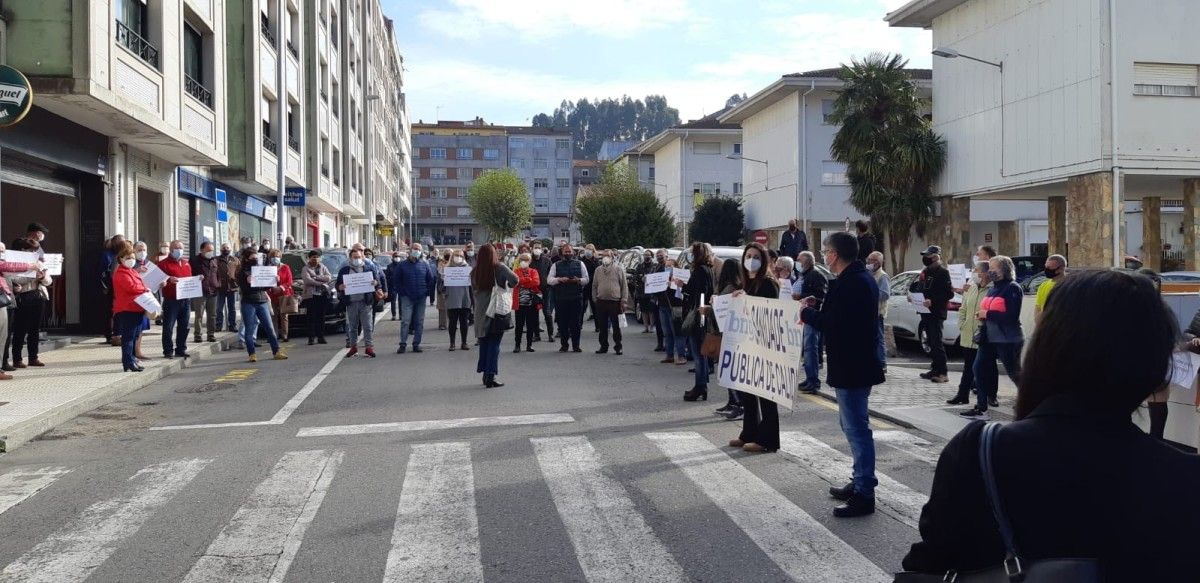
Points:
x=697, y=292
x=760, y=426
x=1076, y=477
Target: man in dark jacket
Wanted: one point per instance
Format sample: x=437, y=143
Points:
x=541, y=262
x=866, y=241
x=391, y=274
x=812, y=284
x=205, y=263
x=415, y=283
x=227, y=270
x=849, y=322
x=793, y=240
x=934, y=283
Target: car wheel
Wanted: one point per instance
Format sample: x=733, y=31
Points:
x=923, y=337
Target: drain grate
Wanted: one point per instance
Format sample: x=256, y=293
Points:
x=205, y=388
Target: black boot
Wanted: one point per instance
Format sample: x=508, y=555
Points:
x=856, y=505
x=517, y=347
x=696, y=394
x=529, y=344
x=844, y=493
x=487, y=380
x=1158, y=419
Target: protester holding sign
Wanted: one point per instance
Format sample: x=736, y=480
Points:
x=760, y=426
x=176, y=312
x=128, y=316
x=7, y=298
x=527, y=300
x=359, y=301
x=142, y=266
x=254, y=306
x=283, y=297
x=459, y=300
x=32, y=295
x=848, y=323
x=670, y=314
x=205, y=264
x=700, y=285
x=315, y=295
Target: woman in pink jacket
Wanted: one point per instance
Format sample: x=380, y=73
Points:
x=7, y=298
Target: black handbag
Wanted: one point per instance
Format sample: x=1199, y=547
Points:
x=1013, y=568
x=6, y=301
x=499, y=324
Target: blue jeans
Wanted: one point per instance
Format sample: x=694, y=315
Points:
x=252, y=315
x=177, y=314
x=129, y=326
x=880, y=351
x=672, y=343
x=227, y=304
x=987, y=375
x=489, y=354
x=812, y=357
x=856, y=426
x=412, y=317
x=701, y=363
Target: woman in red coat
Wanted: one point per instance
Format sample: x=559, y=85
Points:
x=281, y=295
x=527, y=300
x=127, y=314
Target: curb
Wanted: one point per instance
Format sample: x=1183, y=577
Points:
x=30, y=429
x=873, y=412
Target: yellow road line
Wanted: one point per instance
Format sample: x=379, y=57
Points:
x=239, y=374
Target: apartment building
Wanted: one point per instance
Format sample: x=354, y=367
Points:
x=542, y=158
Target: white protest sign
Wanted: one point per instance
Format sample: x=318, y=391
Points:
x=721, y=306
x=264, y=275
x=958, y=276
x=22, y=257
x=657, y=282
x=358, y=283
x=1183, y=369
x=148, y=303
x=457, y=276
x=680, y=274
x=760, y=348
x=785, y=291
x=918, y=301
x=187, y=288
x=153, y=277
x=54, y=263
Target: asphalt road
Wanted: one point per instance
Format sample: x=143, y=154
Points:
x=584, y=467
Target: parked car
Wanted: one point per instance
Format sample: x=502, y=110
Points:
x=685, y=258
x=906, y=322
x=333, y=259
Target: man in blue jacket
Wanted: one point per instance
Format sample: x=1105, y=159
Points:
x=848, y=321
x=415, y=282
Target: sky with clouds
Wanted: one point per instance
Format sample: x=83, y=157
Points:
x=507, y=60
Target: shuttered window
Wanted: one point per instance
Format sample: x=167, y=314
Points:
x=1165, y=79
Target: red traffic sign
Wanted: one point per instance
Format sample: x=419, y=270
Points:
x=760, y=237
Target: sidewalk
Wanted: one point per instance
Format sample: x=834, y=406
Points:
x=911, y=401
x=79, y=377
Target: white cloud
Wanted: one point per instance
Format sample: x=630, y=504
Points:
x=534, y=20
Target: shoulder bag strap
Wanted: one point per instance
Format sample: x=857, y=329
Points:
x=987, y=439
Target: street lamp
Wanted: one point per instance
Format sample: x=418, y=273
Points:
x=766, y=181
x=367, y=177
x=949, y=53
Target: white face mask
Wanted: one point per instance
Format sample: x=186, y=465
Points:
x=872, y=267
x=524, y=265
x=752, y=265
x=470, y=253
x=140, y=255
x=457, y=260
x=208, y=254
x=258, y=259
x=41, y=236
x=357, y=262
x=129, y=263
x=266, y=245
x=164, y=250
x=607, y=260
x=537, y=252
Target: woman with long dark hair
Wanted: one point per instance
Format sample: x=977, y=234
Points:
x=760, y=426
x=1076, y=477
x=489, y=273
x=696, y=292
x=729, y=280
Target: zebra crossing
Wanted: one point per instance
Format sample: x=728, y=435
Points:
x=435, y=530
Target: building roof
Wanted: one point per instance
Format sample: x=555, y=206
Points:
x=479, y=123
x=707, y=125
x=612, y=149
x=833, y=74
x=709, y=122
x=920, y=13
x=788, y=84
x=589, y=163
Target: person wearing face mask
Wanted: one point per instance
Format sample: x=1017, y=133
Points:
x=934, y=282
x=1000, y=315
x=390, y=273
x=1056, y=267
x=968, y=325
x=568, y=276
x=469, y=253
x=128, y=315
x=283, y=297
x=590, y=262
x=227, y=288
x=176, y=313
x=884, y=282
x=760, y=424
x=697, y=293
x=9, y=298
x=541, y=262
x=316, y=296
x=164, y=252
x=488, y=274
x=811, y=284
x=141, y=264
x=439, y=271
x=527, y=300
x=610, y=296
x=415, y=283
x=205, y=264
x=645, y=302
x=459, y=303
x=265, y=247
x=108, y=264
x=255, y=312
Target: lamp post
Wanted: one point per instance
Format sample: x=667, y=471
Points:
x=949, y=53
x=368, y=178
x=767, y=170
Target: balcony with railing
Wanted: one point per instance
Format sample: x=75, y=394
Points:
x=265, y=26
x=137, y=45
x=292, y=49
x=198, y=91
x=269, y=144
x=325, y=170
x=293, y=143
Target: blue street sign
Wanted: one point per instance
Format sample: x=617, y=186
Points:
x=222, y=205
x=294, y=196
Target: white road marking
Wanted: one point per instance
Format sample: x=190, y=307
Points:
x=20, y=484
x=612, y=541
x=260, y=541
x=911, y=445
x=74, y=551
x=436, y=537
x=802, y=547
x=891, y=497
x=430, y=425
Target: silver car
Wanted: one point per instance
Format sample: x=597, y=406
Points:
x=906, y=322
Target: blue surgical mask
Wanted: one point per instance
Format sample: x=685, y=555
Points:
x=357, y=262
x=176, y=253
x=752, y=265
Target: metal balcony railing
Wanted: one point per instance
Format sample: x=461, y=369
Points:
x=324, y=96
x=197, y=90
x=137, y=45
x=292, y=49
x=265, y=25
x=269, y=144
x=294, y=144
x=325, y=171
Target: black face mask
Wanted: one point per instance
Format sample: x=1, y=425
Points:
x=927, y=261
x=1051, y=273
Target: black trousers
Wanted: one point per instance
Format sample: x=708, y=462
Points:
x=967, y=382
x=527, y=320
x=608, y=313
x=27, y=324
x=548, y=311
x=937, y=350
x=315, y=310
x=569, y=315
x=458, y=318
x=761, y=421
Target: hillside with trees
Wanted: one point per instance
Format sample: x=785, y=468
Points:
x=593, y=122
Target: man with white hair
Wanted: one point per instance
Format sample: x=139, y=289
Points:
x=811, y=284
x=875, y=267
x=785, y=272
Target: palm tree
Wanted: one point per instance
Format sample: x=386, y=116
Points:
x=892, y=155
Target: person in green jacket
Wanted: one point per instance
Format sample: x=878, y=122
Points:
x=972, y=296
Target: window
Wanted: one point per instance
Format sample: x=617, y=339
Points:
x=337, y=100
x=353, y=172
x=1166, y=80
x=706, y=148
x=461, y=192
x=562, y=143
x=737, y=148
x=193, y=66
x=491, y=154
x=464, y=235
x=325, y=157
x=826, y=110
x=516, y=142
x=464, y=174
x=540, y=164
x=564, y=182
x=651, y=173
x=353, y=114
x=334, y=29
x=293, y=128
x=585, y=173
x=833, y=173
x=737, y=188
x=539, y=142
x=337, y=167
x=464, y=154
x=133, y=30
x=707, y=188
x=516, y=162
x=464, y=211
x=438, y=192
x=437, y=153
x=437, y=211
x=541, y=183
x=564, y=205
x=563, y=164
x=437, y=173
x=267, y=130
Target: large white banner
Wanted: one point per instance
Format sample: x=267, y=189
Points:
x=457, y=276
x=761, y=346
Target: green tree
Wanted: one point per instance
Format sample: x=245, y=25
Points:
x=892, y=155
x=593, y=122
x=618, y=213
x=719, y=221
x=499, y=200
